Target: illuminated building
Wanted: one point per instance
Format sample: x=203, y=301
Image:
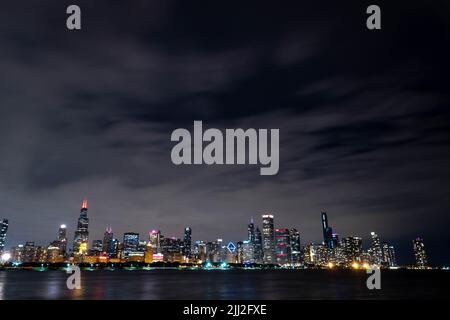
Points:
x=335, y=240
x=419, y=253
x=388, y=255
x=282, y=246
x=148, y=256
x=296, y=250
x=171, y=249
x=30, y=253
x=158, y=257
x=247, y=252
x=17, y=253
x=377, y=250
x=62, y=239
x=352, y=249
x=81, y=236
x=200, y=250
x=268, y=238
x=107, y=241
x=327, y=232
x=251, y=231
x=97, y=247
x=309, y=254
x=258, y=250
x=3, y=231
x=130, y=243
x=154, y=238
x=187, y=242
x=54, y=253
x=114, y=248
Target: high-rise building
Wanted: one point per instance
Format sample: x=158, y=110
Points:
x=3, y=231
x=81, y=236
x=258, y=248
x=327, y=231
x=97, y=247
x=247, y=252
x=62, y=240
x=30, y=253
x=130, y=243
x=388, y=255
x=251, y=232
x=352, y=249
x=268, y=239
x=107, y=241
x=114, y=248
x=377, y=250
x=17, y=253
x=282, y=246
x=296, y=250
x=187, y=242
x=154, y=240
x=419, y=253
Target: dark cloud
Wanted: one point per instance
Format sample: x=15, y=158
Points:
x=363, y=118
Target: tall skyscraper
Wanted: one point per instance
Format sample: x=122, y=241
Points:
x=130, y=243
x=154, y=239
x=251, y=232
x=327, y=231
x=3, y=231
x=282, y=246
x=97, y=247
x=62, y=240
x=268, y=239
x=352, y=249
x=419, y=253
x=377, y=250
x=296, y=250
x=258, y=250
x=107, y=240
x=247, y=252
x=81, y=236
x=187, y=242
x=388, y=255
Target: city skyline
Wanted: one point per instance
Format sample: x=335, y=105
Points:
x=363, y=118
x=277, y=245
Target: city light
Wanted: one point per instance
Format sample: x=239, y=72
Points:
x=355, y=265
x=5, y=257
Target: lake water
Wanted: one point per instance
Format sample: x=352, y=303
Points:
x=225, y=284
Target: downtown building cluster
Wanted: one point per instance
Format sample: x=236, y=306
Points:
x=268, y=246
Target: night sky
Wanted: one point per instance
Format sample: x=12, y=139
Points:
x=364, y=118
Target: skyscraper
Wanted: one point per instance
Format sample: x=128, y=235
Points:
x=3, y=231
x=97, y=247
x=107, y=240
x=187, y=242
x=247, y=252
x=352, y=249
x=257, y=250
x=268, y=239
x=419, y=253
x=296, y=250
x=130, y=243
x=327, y=231
x=251, y=232
x=377, y=250
x=62, y=239
x=154, y=239
x=81, y=236
x=282, y=246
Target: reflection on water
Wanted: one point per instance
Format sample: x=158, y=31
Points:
x=226, y=285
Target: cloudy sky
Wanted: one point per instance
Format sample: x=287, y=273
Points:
x=364, y=118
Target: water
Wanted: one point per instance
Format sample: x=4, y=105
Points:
x=225, y=285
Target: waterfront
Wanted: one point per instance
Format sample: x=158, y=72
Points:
x=225, y=284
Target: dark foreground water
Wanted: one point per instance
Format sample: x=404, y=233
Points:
x=230, y=284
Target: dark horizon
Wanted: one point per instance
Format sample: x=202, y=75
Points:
x=363, y=117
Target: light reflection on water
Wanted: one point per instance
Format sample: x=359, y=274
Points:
x=226, y=285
